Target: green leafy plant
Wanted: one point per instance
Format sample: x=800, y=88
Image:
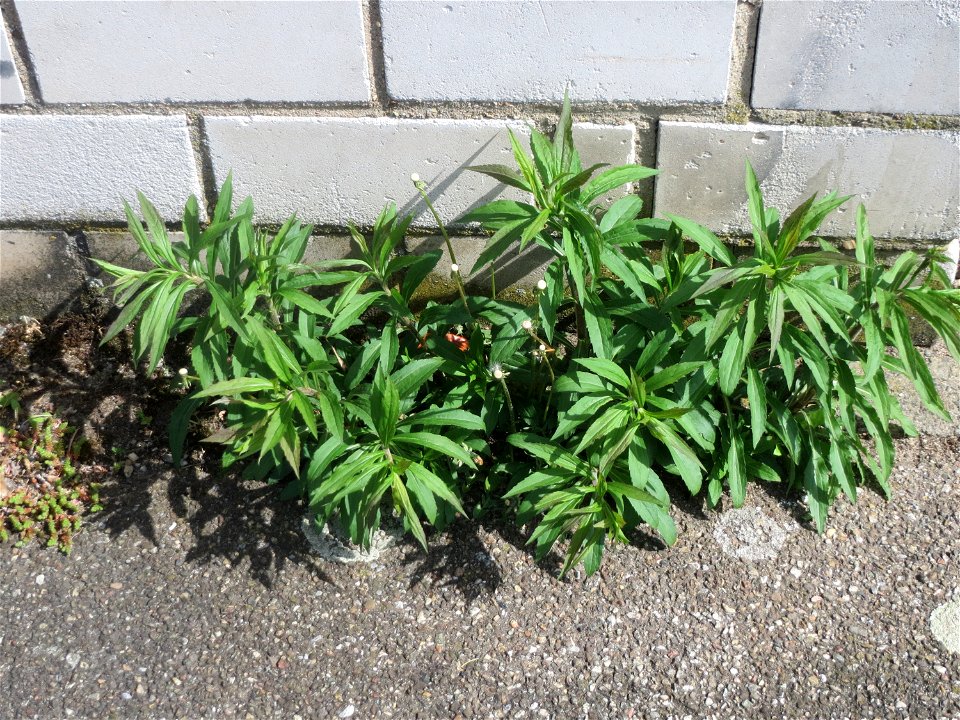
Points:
x=652, y=360
x=43, y=494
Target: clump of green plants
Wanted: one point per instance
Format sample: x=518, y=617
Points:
x=42, y=493
x=631, y=377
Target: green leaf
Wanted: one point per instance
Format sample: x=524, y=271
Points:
x=414, y=374
x=233, y=388
x=384, y=407
x=670, y=375
x=757, y=214
x=224, y=305
x=705, y=240
x=179, y=425
x=626, y=209
x=816, y=483
x=435, y=485
x=444, y=417
x=756, y=394
x=736, y=465
x=534, y=228
x=612, y=419
x=504, y=174
x=499, y=211
x=402, y=499
x=549, y=452
x=915, y=366
x=612, y=179
x=686, y=460
x=305, y=302
x=539, y=481
x=606, y=369
x=582, y=410
x=389, y=347
x=599, y=325
x=437, y=443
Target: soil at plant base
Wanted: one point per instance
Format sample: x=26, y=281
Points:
x=194, y=594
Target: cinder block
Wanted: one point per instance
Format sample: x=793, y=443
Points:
x=11, y=89
x=331, y=170
x=197, y=51
x=908, y=180
x=76, y=168
x=652, y=52
x=40, y=273
x=859, y=55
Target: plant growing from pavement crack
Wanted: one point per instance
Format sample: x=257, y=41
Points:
x=634, y=374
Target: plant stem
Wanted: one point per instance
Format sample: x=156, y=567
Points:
x=506, y=395
x=421, y=188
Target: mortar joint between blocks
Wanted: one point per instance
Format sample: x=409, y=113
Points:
x=196, y=125
x=376, y=64
x=23, y=63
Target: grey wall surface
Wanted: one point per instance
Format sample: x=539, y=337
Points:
x=325, y=108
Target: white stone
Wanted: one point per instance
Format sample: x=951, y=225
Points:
x=908, y=180
x=331, y=544
x=654, y=52
x=945, y=625
x=750, y=535
x=197, y=51
x=331, y=170
x=859, y=55
x=11, y=89
x=77, y=168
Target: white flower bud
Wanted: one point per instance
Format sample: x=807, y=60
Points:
x=183, y=372
x=498, y=373
x=543, y=348
x=541, y=284
x=526, y=325
x=454, y=268
x=414, y=178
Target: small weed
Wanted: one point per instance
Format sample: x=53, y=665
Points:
x=43, y=494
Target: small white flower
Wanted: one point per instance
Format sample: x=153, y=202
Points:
x=541, y=284
x=527, y=325
x=414, y=178
x=543, y=348
x=183, y=372
x=454, y=268
x=498, y=373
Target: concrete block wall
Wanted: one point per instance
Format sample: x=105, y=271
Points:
x=327, y=107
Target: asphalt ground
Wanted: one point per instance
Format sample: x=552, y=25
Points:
x=196, y=596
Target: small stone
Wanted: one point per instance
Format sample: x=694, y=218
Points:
x=346, y=712
x=116, y=586
x=282, y=664
x=141, y=690
x=813, y=680
x=796, y=572
x=41, y=579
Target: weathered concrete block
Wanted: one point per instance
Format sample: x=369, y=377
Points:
x=76, y=168
x=331, y=170
x=655, y=52
x=40, y=273
x=11, y=89
x=203, y=51
x=859, y=55
x=908, y=180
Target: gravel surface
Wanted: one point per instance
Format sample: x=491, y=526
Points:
x=195, y=596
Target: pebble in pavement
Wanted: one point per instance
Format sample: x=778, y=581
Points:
x=749, y=534
x=945, y=625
